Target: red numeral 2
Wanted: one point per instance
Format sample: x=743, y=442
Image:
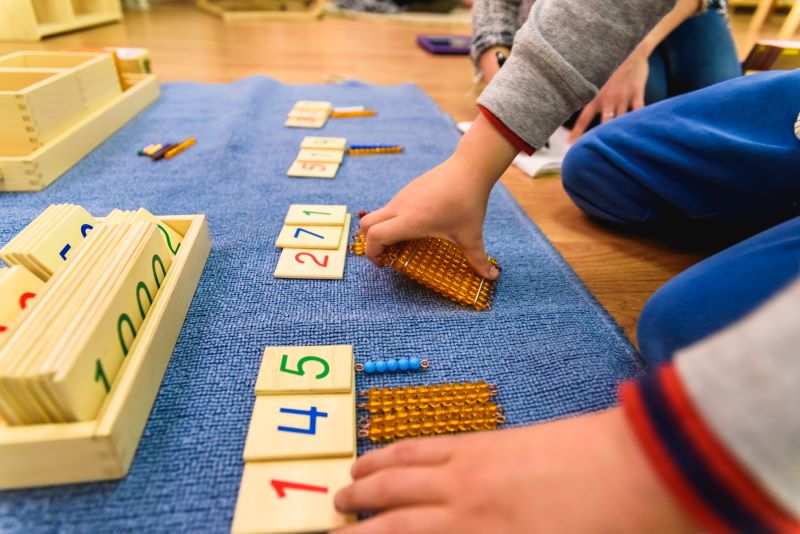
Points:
x=323, y=263
x=281, y=486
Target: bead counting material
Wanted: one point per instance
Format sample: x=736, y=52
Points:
x=372, y=150
x=409, y=423
x=439, y=265
x=433, y=396
x=392, y=365
x=411, y=411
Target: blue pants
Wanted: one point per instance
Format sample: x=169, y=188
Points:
x=698, y=53
x=725, y=160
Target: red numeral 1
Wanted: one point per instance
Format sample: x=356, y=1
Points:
x=281, y=485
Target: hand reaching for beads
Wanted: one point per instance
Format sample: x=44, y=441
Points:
x=585, y=474
x=448, y=201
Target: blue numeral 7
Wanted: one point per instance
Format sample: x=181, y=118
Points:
x=297, y=233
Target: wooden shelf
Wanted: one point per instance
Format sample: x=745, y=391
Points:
x=32, y=20
x=66, y=453
x=270, y=10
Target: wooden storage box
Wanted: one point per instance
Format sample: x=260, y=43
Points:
x=43, y=94
x=31, y=20
x=40, y=455
x=39, y=168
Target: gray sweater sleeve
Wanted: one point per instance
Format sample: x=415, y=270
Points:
x=562, y=54
x=494, y=23
x=745, y=382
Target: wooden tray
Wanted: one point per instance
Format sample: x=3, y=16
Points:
x=40, y=168
x=64, y=453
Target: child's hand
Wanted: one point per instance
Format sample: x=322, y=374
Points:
x=448, y=202
x=585, y=474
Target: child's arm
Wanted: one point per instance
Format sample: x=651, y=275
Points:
x=449, y=201
x=721, y=425
x=711, y=440
x=562, y=53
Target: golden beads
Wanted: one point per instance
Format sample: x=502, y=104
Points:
x=412, y=411
x=439, y=265
x=411, y=423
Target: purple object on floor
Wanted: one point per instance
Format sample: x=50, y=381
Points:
x=445, y=44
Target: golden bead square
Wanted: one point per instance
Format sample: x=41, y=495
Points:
x=314, y=369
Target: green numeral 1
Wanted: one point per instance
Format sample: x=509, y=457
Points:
x=100, y=375
x=301, y=362
x=316, y=212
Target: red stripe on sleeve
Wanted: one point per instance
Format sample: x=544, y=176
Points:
x=719, y=460
x=515, y=140
x=634, y=408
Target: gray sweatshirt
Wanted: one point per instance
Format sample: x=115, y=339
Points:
x=744, y=382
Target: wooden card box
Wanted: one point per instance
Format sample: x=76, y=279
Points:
x=37, y=170
x=42, y=94
x=41, y=455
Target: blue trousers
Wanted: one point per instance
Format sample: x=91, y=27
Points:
x=698, y=53
x=724, y=160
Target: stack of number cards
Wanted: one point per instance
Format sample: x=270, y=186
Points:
x=319, y=157
x=314, y=242
x=301, y=442
x=309, y=114
x=59, y=356
x=18, y=288
x=44, y=245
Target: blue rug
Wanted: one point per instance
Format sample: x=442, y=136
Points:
x=550, y=348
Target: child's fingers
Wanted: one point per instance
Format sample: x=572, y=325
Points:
x=478, y=259
x=391, y=488
x=385, y=233
x=425, y=451
x=374, y=217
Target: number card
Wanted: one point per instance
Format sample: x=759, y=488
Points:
x=321, y=156
x=316, y=214
x=310, y=263
x=324, y=143
x=312, y=113
x=291, y=497
x=313, y=104
x=286, y=427
x=305, y=122
x=300, y=169
x=323, y=369
x=306, y=236
x=18, y=289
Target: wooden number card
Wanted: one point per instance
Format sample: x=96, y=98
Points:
x=311, y=155
x=324, y=143
x=324, y=369
x=316, y=215
x=305, y=169
x=285, y=427
x=312, y=263
x=306, y=236
x=293, y=496
x=18, y=289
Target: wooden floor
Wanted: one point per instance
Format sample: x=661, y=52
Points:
x=621, y=270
